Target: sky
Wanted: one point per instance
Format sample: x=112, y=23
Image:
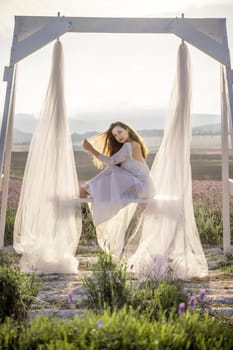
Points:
x=114, y=74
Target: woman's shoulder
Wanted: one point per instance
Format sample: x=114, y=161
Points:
x=128, y=146
x=135, y=145
x=136, y=150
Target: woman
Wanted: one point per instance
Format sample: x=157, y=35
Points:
x=125, y=179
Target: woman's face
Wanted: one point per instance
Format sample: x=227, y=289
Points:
x=120, y=134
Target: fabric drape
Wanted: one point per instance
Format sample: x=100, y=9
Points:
x=163, y=230
x=47, y=229
x=169, y=238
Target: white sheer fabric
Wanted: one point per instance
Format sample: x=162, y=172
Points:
x=117, y=186
x=164, y=225
x=47, y=230
x=169, y=238
x=113, y=191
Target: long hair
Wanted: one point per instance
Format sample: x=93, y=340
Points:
x=106, y=143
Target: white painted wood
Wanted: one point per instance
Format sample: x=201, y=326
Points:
x=227, y=110
x=230, y=182
x=39, y=39
x=230, y=96
x=7, y=166
x=1, y=182
x=200, y=40
x=5, y=116
x=231, y=76
x=225, y=174
x=8, y=77
x=183, y=27
x=120, y=25
x=229, y=82
x=210, y=26
x=209, y=35
x=6, y=74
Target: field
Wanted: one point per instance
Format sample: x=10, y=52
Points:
x=206, y=176
x=205, y=166
x=205, y=158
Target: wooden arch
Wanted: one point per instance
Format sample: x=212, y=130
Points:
x=33, y=32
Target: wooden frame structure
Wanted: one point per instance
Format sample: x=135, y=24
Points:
x=33, y=32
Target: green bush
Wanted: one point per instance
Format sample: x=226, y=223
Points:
x=208, y=218
x=156, y=297
x=108, y=285
x=4, y=258
x=209, y=223
x=111, y=287
x=119, y=330
x=9, y=228
x=17, y=291
x=88, y=228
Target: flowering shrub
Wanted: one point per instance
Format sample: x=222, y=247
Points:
x=158, y=297
x=112, y=288
x=108, y=286
x=9, y=228
x=209, y=222
x=122, y=329
x=207, y=209
x=198, y=303
x=17, y=291
x=13, y=194
x=88, y=235
x=207, y=200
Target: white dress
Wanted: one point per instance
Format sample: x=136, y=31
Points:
x=117, y=186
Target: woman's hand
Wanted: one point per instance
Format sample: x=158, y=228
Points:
x=87, y=146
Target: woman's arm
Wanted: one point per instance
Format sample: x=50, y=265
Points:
x=89, y=148
x=123, y=154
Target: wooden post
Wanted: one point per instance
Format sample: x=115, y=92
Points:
x=225, y=167
x=227, y=118
x=7, y=160
x=6, y=132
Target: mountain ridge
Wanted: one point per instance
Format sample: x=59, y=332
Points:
x=152, y=119
x=20, y=137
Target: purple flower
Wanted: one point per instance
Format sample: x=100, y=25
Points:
x=202, y=294
x=192, y=302
x=70, y=296
x=117, y=280
x=181, y=308
x=100, y=324
x=92, y=243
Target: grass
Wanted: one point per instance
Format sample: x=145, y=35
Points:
x=205, y=166
x=158, y=315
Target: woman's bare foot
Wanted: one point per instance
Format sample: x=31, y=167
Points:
x=83, y=193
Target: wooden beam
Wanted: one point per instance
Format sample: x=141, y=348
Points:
x=39, y=39
x=185, y=28
x=202, y=41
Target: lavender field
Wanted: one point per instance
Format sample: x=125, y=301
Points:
x=206, y=187
x=207, y=208
x=203, y=191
